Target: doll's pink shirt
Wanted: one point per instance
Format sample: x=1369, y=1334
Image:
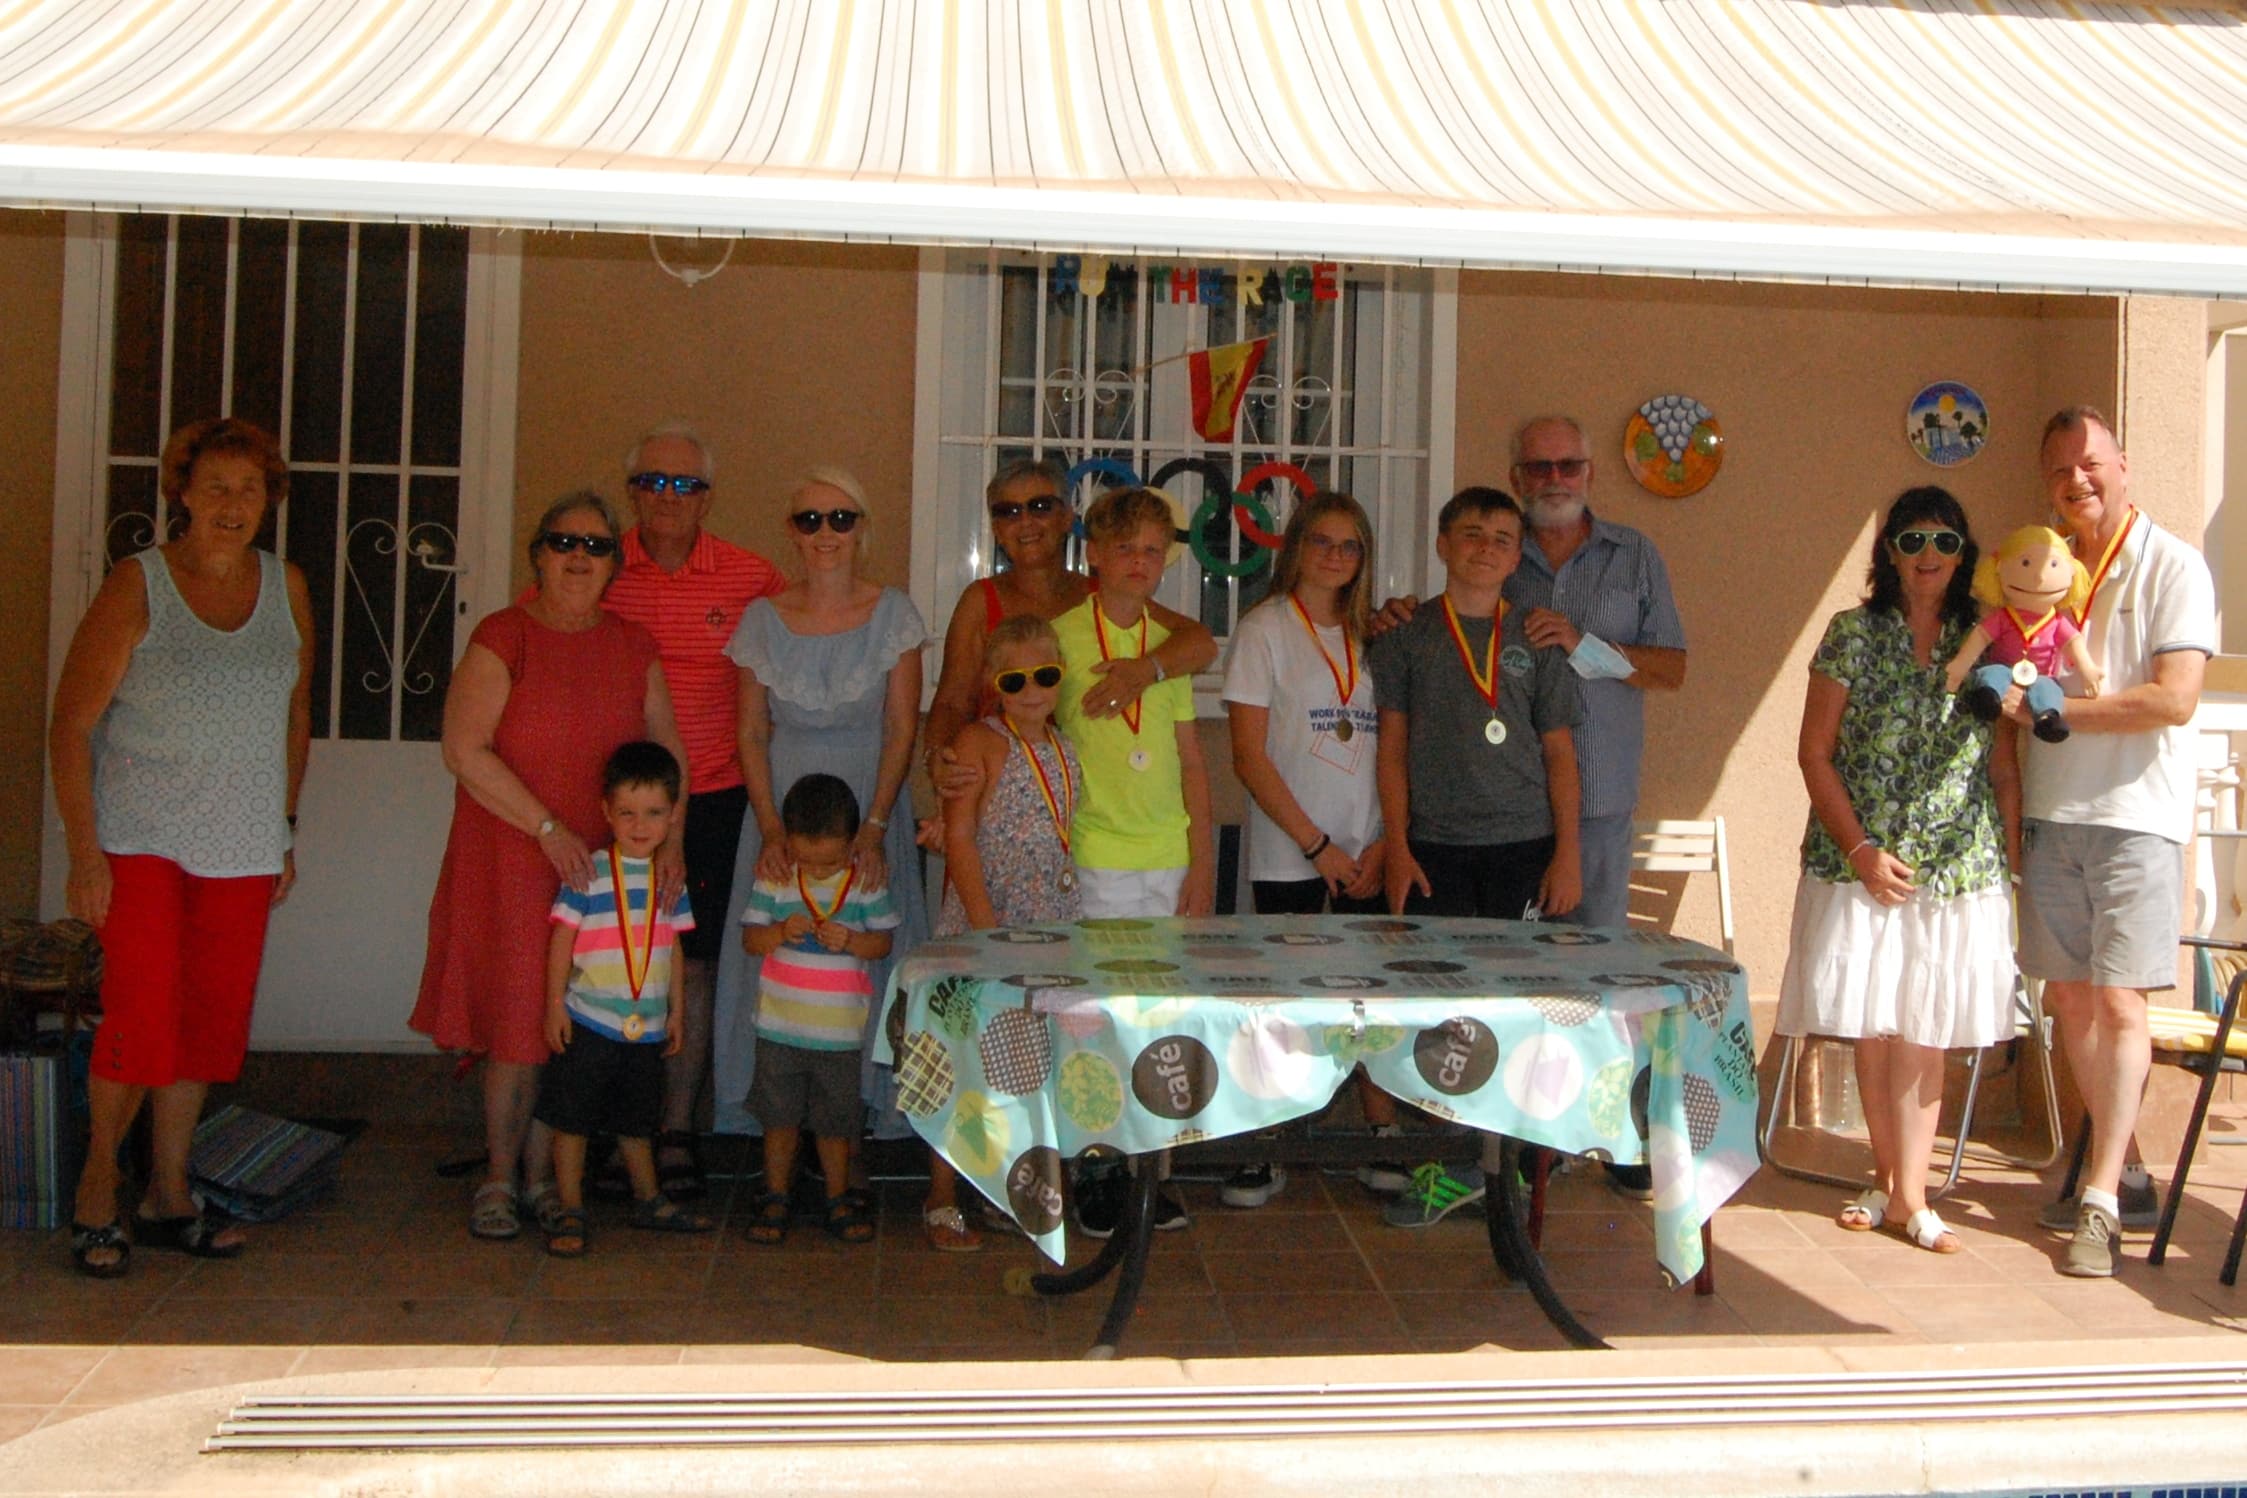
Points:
x=2008, y=646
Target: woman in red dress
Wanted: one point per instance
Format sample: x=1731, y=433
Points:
x=546, y=690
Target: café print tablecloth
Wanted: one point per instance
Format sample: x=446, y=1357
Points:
x=1017, y=1049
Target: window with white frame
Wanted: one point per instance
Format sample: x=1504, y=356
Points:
x=348, y=343
x=1079, y=360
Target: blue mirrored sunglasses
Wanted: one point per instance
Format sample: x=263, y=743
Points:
x=685, y=485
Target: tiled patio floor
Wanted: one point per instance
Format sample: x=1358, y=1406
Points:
x=384, y=1275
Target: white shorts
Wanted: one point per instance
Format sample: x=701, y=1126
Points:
x=1129, y=892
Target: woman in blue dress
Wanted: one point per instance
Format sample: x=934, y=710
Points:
x=830, y=681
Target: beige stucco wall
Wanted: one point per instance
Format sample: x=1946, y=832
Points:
x=793, y=355
x=30, y=352
x=1810, y=386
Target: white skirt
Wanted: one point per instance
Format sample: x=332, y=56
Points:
x=1931, y=972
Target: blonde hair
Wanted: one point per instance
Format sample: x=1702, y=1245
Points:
x=1122, y=513
x=1018, y=629
x=839, y=479
x=1991, y=591
x=1356, y=601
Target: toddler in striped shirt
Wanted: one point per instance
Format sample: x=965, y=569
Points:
x=612, y=1002
x=816, y=930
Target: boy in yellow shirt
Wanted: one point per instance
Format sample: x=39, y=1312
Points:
x=1141, y=840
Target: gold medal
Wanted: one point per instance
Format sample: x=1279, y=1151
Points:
x=1494, y=731
x=1068, y=880
x=634, y=1027
x=2024, y=671
x=1345, y=685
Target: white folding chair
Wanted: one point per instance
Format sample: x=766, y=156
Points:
x=1676, y=847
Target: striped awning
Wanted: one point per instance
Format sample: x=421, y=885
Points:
x=2029, y=144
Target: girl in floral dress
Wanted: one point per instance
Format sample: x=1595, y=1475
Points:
x=1006, y=845
x=1902, y=927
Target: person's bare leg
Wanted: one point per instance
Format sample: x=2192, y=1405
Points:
x=1915, y=1103
x=510, y=1088
x=780, y=1158
x=173, y=1113
x=639, y=1168
x=683, y=1074
x=2110, y=1051
x=943, y=1184
x=1379, y=1108
x=1874, y=1056
x=114, y=1105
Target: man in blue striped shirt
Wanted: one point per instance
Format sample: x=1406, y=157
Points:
x=1599, y=591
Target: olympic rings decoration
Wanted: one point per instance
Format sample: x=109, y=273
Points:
x=1250, y=516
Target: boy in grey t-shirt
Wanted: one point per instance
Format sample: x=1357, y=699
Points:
x=1477, y=758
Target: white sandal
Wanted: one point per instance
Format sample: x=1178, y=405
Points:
x=1923, y=1229
x=1865, y=1213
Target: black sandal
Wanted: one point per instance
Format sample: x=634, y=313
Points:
x=566, y=1234
x=658, y=1215
x=86, y=1242
x=847, y=1219
x=680, y=1182
x=191, y=1235
x=769, y=1225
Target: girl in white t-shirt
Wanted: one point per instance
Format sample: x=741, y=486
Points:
x=1299, y=696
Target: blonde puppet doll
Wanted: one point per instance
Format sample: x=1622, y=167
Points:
x=2034, y=585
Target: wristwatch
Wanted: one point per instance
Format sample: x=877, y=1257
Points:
x=1160, y=674
x=547, y=826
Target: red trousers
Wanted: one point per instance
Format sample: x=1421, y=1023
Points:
x=180, y=958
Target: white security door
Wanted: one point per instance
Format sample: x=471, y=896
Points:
x=382, y=356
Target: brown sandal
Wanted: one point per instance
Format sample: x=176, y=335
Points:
x=770, y=1224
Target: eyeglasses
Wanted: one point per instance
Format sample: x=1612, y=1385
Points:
x=1911, y=543
x=562, y=543
x=1011, y=682
x=839, y=521
x=1007, y=509
x=1545, y=468
x=685, y=485
x=1349, y=548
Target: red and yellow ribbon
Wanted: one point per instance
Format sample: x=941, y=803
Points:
x=635, y=974
x=1133, y=713
x=1485, y=680
x=2106, y=562
x=821, y=917
x=1062, y=808
x=2029, y=632
x=1344, y=689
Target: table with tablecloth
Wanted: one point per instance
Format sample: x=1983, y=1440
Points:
x=1018, y=1049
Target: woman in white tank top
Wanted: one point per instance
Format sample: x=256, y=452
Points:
x=181, y=725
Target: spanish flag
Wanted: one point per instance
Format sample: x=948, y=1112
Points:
x=1220, y=378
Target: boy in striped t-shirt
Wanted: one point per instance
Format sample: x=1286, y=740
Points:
x=612, y=1005
x=816, y=930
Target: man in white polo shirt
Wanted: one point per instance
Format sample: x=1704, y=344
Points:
x=2106, y=814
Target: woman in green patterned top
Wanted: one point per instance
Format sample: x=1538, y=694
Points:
x=1902, y=937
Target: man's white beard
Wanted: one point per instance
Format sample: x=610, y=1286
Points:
x=1554, y=512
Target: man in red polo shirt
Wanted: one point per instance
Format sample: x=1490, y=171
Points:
x=689, y=589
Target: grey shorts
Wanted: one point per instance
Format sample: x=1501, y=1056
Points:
x=797, y=1088
x=2100, y=905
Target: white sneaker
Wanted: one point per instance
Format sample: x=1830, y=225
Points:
x=1253, y=1185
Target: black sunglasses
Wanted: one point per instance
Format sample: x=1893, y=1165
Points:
x=1007, y=509
x=1011, y=682
x=840, y=522
x=1911, y=543
x=562, y=543
x=685, y=485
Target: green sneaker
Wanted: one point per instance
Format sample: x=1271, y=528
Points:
x=2092, y=1252
x=1435, y=1193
